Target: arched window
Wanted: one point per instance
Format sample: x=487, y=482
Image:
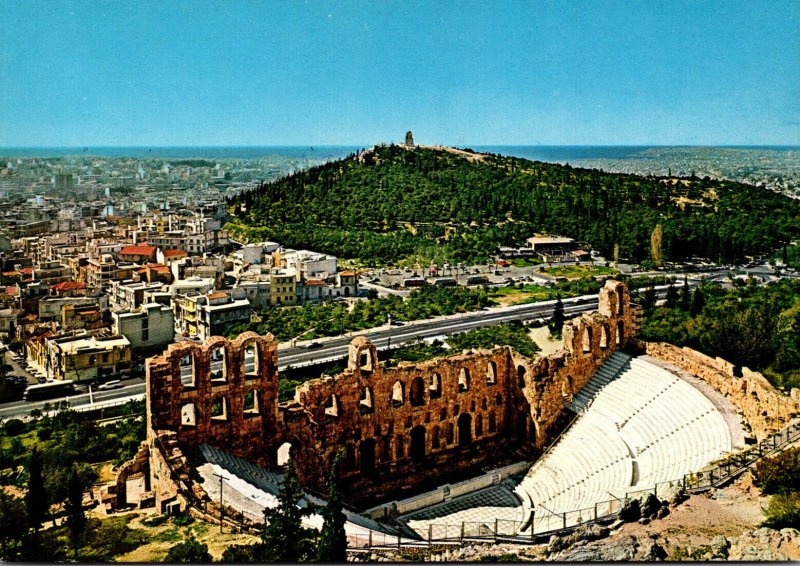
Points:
x=416, y=394
x=464, y=429
x=604, y=337
x=492, y=422
x=478, y=426
x=399, y=448
x=332, y=407
x=251, y=361
x=435, y=388
x=491, y=373
x=365, y=406
x=498, y=400
x=417, y=447
x=398, y=396
x=521, y=377
x=620, y=302
x=366, y=457
x=435, y=437
x=463, y=380
x=366, y=362
x=284, y=453
x=448, y=437
x=187, y=370
x=219, y=409
x=620, y=333
x=587, y=340
x=188, y=415
x=218, y=370
x=251, y=403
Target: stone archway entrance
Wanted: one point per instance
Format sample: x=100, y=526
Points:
x=465, y=429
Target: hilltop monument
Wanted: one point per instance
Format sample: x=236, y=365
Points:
x=409, y=139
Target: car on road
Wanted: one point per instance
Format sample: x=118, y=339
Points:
x=312, y=346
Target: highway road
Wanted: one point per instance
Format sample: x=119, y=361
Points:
x=332, y=349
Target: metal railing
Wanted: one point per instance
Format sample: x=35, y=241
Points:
x=545, y=522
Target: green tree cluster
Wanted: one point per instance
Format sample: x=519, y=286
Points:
x=393, y=204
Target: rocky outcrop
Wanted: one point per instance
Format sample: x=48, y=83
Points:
x=622, y=549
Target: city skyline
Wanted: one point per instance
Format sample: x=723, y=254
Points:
x=319, y=73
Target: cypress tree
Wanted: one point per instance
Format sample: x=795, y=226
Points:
x=333, y=540
x=285, y=538
x=557, y=322
x=76, y=517
x=36, y=502
x=672, y=296
x=698, y=302
x=686, y=295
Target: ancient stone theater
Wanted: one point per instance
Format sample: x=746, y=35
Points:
x=416, y=437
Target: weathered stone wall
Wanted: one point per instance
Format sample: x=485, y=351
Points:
x=763, y=407
x=398, y=426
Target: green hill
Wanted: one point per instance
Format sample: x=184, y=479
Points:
x=392, y=204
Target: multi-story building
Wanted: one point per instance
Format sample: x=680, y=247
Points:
x=148, y=326
x=128, y=295
x=308, y=264
x=283, y=287
x=140, y=254
x=52, y=272
x=83, y=356
x=206, y=315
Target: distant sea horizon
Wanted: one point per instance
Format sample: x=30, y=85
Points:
x=549, y=153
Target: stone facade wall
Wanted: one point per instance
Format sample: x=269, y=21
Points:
x=763, y=407
x=398, y=426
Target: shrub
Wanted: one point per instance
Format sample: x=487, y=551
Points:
x=13, y=427
x=778, y=474
x=189, y=551
x=783, y=511
x=182, y=520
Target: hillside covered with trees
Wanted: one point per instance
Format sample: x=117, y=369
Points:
x=392, y=204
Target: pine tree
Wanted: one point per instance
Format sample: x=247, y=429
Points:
x=698, y=302
x=12, y=526
x=672, y=296
x=686, y=295
x=656, y=239
x=189, y=551
x=285, y=538
x=76, y=517
x=557, y=322
x=649, y=299
x=332, y=545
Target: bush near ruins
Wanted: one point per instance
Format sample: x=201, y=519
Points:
x=780, y=473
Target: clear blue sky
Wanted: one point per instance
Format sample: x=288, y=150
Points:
x=230, y=72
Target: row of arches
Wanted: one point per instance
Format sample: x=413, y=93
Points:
x=419, y=392
x=605, y=336
x=219, y=409
x=220, y=367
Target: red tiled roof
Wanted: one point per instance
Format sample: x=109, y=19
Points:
x=138, y=250
x=68, y=286
x=315, y=283
x=26, y=270
x=347, y=273
x=218, y=295
x=174, y=253
x=13, y=291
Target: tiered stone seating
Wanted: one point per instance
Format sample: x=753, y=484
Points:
x=638, y=412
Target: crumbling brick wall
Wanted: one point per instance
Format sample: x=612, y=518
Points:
x=398, y=426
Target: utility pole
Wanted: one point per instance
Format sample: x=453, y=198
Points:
x=221, y=509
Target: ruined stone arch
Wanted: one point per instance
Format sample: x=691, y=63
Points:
x=521, y=371
x=362, y=356
x=464, y=429
x=417, y=449
x=605, y=339
x=250, y=359
x=491, y=373
x=398, y=395
x=435, y=388
x=284, y=452
x=366, y=457
x=449, y=434
x=435, y=442
x=620, y=333
x=187, y=366
x=586, y=339
x=332, y=406
x=463, y=380
x=416, y=392
x=366, y=405
x=620, y=292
